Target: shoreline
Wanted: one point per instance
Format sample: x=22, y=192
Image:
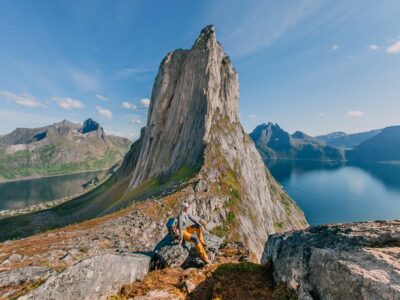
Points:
x=48, y=176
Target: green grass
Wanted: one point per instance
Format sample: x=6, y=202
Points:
x=241, y=268
x=230, y=217
x=154, y=187
x=22, y=164
x=278, y=225
x=219, y=231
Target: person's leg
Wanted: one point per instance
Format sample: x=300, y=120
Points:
x=196, y=240
x=187, y=235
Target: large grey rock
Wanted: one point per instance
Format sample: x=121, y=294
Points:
x=172, y=254
x=23, y=276
x=94, y=278
x=344, y=261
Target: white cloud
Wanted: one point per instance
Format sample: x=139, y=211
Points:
x=128, y=135
x=335, y=47
x=321, y=114
x=23, y=99
x=136, y=73
x=355, y=113
x=373, y=47
x=252, y=116
x=145, y=102
x=128, y=105
x=136, y=121
x=395, y=48
x=101, y=97
x=68, y=103
x=104, y=112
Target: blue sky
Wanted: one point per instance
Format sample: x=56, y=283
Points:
x=316, y=66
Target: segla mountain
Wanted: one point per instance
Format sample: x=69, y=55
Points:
x=63, y=147
x=192, y=149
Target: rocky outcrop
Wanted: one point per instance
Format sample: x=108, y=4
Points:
x=344, y=261
x=170, y=254
x=89, y=125
x=94, y=278
x=13, y=280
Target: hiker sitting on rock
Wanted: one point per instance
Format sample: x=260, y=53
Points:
x=191, y=233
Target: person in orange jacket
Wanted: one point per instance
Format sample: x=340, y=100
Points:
x=192, y=231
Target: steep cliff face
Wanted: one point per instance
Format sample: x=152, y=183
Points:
x=193, y=123
x=191, y=87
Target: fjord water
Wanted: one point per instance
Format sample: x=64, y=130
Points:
x=20, y=194
x=332, y=193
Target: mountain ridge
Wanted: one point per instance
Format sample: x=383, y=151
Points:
x=59, y=148
x=275, y=143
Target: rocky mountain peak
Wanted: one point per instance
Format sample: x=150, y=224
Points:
x=207, y=35
x=89, y=125
x=191, y=89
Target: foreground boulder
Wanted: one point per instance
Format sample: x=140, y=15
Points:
x=93, y=278
x=344, y=261
x=14, y=280
x=170, y=254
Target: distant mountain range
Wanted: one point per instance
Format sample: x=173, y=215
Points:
x=341, y=139
x=384, y=146
x=376, y=145
x=275, y=143
x=62, y=147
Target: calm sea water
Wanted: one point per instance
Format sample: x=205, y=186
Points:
x=332, y=193
x=19, y=194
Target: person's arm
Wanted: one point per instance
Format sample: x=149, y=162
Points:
x=193, y=219
x=180, y=228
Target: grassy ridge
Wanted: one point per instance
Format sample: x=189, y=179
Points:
x=22, y=163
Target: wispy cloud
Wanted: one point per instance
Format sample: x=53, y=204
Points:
x=355, y=113
x=136, y=121
x=145, y=102
x=136, y=73
x=335, y=47
x=23, y=99
x=394, y=49
x=130, y=135
x=128, y=105
x=101, y=97
x=373, y=47
x=83, y=80
x=250, y=26
x=68, y=103
x=252, y=116
x=9, y=119
x=321, y=114
x=104, y=112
